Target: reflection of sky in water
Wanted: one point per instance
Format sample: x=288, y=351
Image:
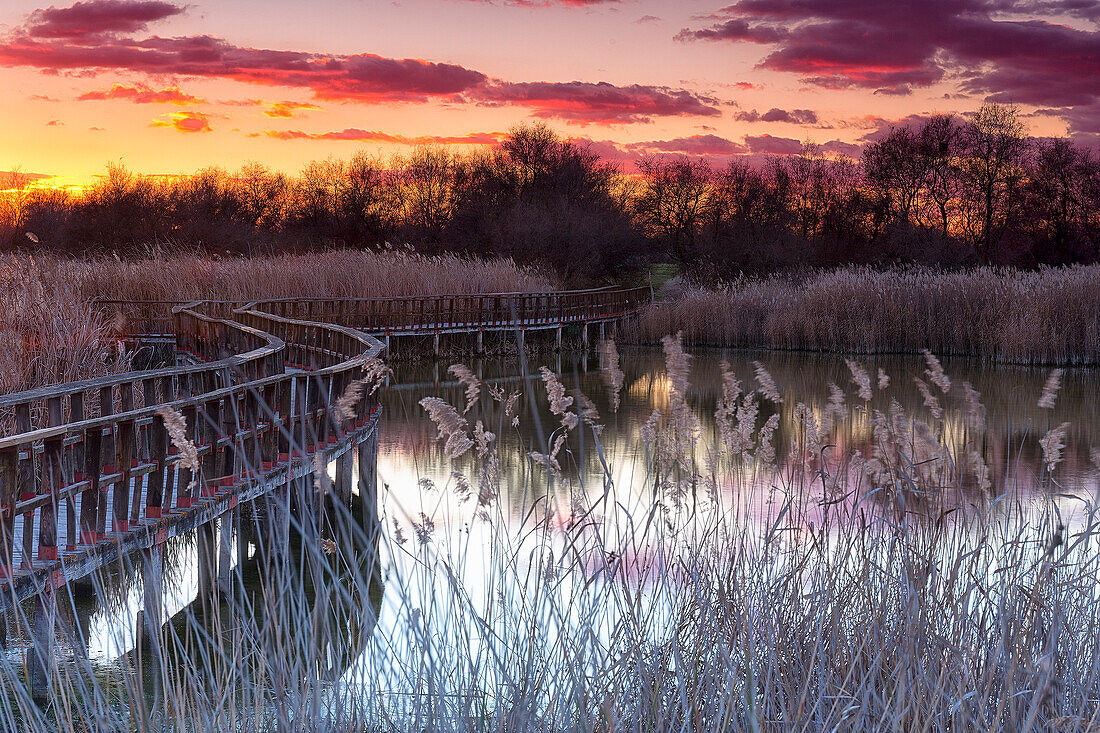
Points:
x=440, y=596
x=477, y=576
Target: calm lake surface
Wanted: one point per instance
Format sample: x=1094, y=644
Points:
x=426, y=511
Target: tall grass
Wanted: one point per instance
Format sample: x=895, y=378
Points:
x=750, y=579
x=341, y=273
x=51, y=332
x=1047, y=316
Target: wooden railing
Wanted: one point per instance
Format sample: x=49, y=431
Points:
x=429, y=313
x=93, y=462
x=67, y=474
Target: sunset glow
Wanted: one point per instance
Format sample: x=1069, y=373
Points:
x=171, y=87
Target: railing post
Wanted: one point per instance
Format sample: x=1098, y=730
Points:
x=53, y=483
x=90, y=499
x=158, y=452
x=28, y=476
x=9, y=482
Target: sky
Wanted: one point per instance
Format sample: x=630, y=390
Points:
x=168, y=87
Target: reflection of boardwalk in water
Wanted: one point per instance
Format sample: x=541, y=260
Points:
x=94, y=474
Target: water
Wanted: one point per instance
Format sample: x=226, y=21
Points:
x=451, y=567
x=409, y=453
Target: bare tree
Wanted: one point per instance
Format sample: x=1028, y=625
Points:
x=994, y=151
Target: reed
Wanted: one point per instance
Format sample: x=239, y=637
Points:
x=341, y=273
x=1046, y=316
x=49, y=333
x=749, y=580
x=52, y=331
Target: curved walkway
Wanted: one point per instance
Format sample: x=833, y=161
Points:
x=100, y=468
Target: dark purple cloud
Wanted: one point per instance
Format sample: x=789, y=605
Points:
x=95, y=17
x=771, y=145
x=734, y=29
x=1000, y=49
x=548, y=3
x=794, y=116
x=53, y=41
x=696, y=145
x=588, y=102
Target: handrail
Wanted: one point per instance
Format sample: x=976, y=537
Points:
x=246, y=415
x=252, y=419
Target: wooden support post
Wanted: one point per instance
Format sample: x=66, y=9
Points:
x=368, y=482
x=584, y=335
x=481, y=341
x=520, y=338
x=435, y=344
x=206, y=559
x=557, y=338
x=228, y=525
x=603, y=332
x=40, y=654
x=152, y=607
x=343, y=476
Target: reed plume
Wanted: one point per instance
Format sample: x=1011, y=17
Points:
x=470, y=380
x=1050, y=390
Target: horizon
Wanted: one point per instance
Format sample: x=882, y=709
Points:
x=169, y=88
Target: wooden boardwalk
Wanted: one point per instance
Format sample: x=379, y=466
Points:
x=93, y=471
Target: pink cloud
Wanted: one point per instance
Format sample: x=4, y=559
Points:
x=142, y=94
x=187, y=122
x=288, y=109
x=361, y=77
x=356, y=135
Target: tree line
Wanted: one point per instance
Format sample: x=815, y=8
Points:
x=949, y=191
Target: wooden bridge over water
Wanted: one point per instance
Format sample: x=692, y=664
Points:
x=95, y=472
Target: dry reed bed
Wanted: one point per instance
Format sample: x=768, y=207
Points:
x=1049, y=316
x=334, y=274
x=50, y=332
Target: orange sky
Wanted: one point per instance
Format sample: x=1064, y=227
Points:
x=168, y=87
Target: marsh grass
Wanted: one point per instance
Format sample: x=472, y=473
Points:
x=751, y=579
x=1046, y=316
x=49, y=333
x=52, y=330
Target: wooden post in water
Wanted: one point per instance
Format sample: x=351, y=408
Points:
x=152, y=607
x=480, y=341
x=584, y=335
x=206, y=559
x=435, y=344
x=368, y=482
x=557, y=338
x=40, y=654
x=343, y=476
x=228, y=524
